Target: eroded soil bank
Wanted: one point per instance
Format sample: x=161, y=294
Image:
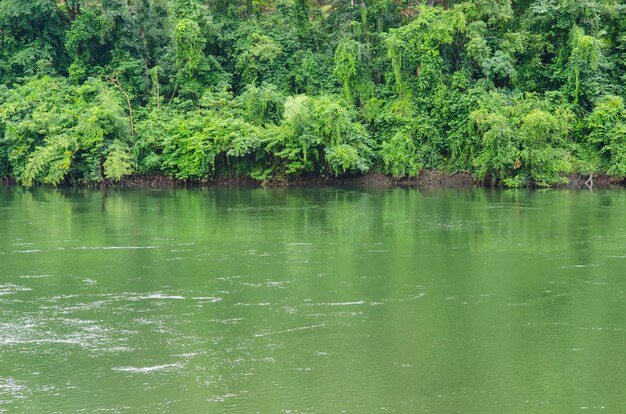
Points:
x=427, y=178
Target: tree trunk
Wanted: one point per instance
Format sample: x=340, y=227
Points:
x=589, y=182
x=73, y=9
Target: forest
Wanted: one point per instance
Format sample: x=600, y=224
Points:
x=520, y=92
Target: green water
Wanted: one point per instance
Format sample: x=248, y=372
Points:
x=312, y=301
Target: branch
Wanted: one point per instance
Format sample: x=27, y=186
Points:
x=116, y=82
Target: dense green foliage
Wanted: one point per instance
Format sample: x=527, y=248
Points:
x=514, y=90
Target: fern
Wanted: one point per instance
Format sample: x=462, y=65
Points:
x=38, y=161
x=118, y=163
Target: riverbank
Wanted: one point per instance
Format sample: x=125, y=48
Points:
x=426, y=178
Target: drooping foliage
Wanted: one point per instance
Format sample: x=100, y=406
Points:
x=518, y=92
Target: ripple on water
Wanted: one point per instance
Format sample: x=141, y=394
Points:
x=149, y=369
x=10, y=289
x=222, y=398
x=37, y=330
x=34, y=276
x=356, y=302
x=151, y=296
x=11, y=387
x=161, y=296
x=285, y=331
x=211, y=299
x=114, y=247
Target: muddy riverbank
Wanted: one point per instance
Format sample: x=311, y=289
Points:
x=426, y=178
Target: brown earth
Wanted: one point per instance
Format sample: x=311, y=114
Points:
x=426, y=179
x=429, y=178
x=580, y=181
x=161, y=181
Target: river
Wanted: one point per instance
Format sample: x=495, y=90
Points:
x=322, y=300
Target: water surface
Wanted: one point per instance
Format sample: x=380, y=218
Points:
x=312, y=301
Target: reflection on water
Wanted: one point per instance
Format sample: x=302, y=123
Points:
x=312, y=300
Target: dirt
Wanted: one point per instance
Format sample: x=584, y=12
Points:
x=429, y=178
x=426, y=179
x=580, y=181
x=373, y=179
x=159, y=181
